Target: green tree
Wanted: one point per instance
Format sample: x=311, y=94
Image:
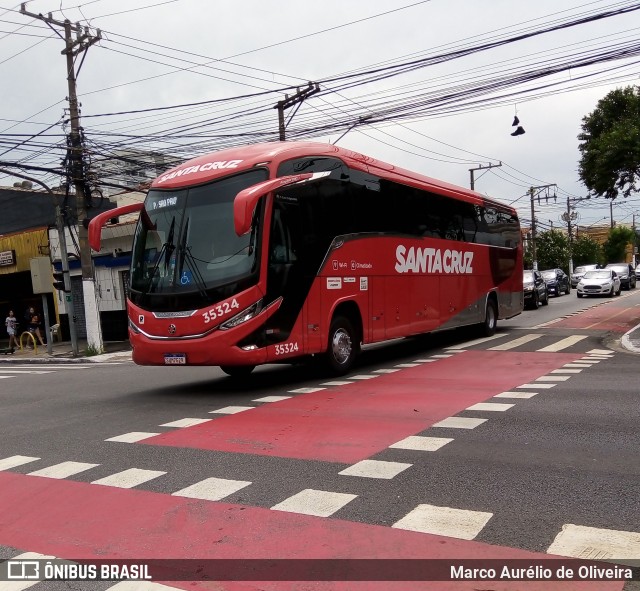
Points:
x=586, y=251
x=552, y=250
x=610, y=145
x=615, y=247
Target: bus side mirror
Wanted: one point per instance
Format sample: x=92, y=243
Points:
x=247, y=199
x=101, y=220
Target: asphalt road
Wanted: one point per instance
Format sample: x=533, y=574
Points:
x=562, y=454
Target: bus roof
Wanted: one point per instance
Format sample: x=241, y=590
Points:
x=217, y=164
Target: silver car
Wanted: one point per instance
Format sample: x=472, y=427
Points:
x=578, y=273
x=599, y=282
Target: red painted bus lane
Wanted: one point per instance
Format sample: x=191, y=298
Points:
x=76, y=520
x=353, y=422
x=616, y=317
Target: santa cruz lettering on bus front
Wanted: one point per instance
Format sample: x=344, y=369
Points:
x=433, y=260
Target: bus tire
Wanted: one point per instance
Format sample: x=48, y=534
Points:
x=488, y=327
x=237, y=371
x=343, y=346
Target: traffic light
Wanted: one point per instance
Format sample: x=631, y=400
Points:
x=58, y=280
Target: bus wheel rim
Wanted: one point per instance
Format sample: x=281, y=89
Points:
x=341, y=346
x=491, y=317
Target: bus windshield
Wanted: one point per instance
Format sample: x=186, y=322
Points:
x=185, y=241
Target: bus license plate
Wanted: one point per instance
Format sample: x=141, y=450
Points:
x=175, y=359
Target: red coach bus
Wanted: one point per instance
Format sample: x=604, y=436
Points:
x=275, y=251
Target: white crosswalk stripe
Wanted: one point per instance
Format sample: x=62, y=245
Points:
x=516, y=342
x=16, y=371
x=563, y=344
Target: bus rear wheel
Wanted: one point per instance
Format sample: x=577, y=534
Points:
x=488, y=327
x=237, y=371
x=343, y=346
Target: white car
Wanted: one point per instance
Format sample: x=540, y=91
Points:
x=599, y=282
x=578, y=273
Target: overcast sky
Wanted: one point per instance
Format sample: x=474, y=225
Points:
x=266, y=46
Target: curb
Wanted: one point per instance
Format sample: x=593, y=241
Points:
x=632, y=345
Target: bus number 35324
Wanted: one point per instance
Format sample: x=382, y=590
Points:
x=286, y=348
x=220, y=310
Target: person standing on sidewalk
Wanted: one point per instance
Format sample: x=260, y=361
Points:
x=33, y=324
x=11, y=323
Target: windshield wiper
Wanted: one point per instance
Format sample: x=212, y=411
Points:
x=184, y=253
x=167, y=250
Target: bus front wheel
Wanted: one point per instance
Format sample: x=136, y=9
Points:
x=343, y=346
x=488, y=327
x=237, y=371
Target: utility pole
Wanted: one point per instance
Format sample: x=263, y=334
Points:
x=480, y=167
x=532, y=194
x=73, y=48
x=568, y=217
x=635, y=240
x=64, y=259
x=611, y=212
x=289, y=101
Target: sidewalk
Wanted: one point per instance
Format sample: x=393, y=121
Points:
x=63, y=353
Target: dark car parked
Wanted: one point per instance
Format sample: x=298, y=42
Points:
x=557, y=281
x=626, y=273
x=535, y=290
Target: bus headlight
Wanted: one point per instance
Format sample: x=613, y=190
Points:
x=243, y=316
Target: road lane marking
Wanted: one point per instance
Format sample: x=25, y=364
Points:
x=421, y=443
x=552, y=378
x=442, y=356
x=132, y=437
x=407, y=365
x=212, y=489
x=63, y=470
x=375, y=469
x=306, y=390
x=600, y=352
x=591, y=543
x=516, y=395
x=385, y=370
x=571, y=371
x=624, y=310
x=320, y=503
x=15, y=461
x=577, y=365
x=479, y=341
x=272, y=398
x=230, y=410
x=362, y=377
x=537, y=385
x=490, y=406
x=563, y=344
x=460, y=423
x=26, y=371
x=423, y=360
x=187, y=422
x=129, y=478
x=516, y=342
x=444, y=521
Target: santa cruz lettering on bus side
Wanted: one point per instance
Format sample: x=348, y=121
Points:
x=433, y=260
x=200, y=168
